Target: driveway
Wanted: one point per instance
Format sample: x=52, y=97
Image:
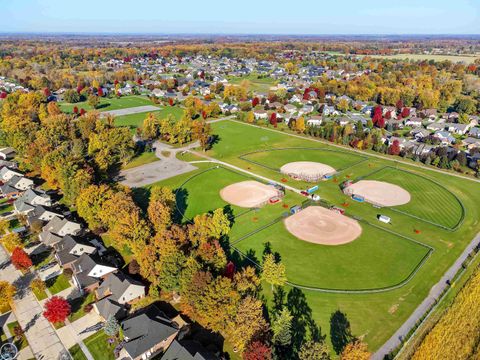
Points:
x=166, y=167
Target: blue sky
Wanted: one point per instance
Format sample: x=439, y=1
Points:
x=242, y=17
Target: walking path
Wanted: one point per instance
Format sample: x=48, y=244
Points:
x=435, y=293
x=132, y=110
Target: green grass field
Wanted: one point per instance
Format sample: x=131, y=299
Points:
x=134, y=121
x=275, y=159
x=107, y=104
x=378, y=256
x=429, y=200
x=256, y=84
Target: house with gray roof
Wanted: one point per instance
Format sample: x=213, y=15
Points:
x=31, y=198
x=57, y=228
x=147, y=334
x=14, y=186
x=89, y=271
x=187, y=350
x=70, y=249
x=7, y=173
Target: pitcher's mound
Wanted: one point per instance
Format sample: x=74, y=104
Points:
x=318, y=225
x=248, y=194
x=306, y=170
x=380, y=192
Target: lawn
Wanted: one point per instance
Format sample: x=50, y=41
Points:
x=57, y=284
x=40, y=294
x=276, y=158
x=77, y=353
x=429, y=200
x=257, y=84
x=22, y=342
x=124, y=251
x=6, y=208
x=99, y=347
x=134, y=121
x=78, y=305
x=107, y=104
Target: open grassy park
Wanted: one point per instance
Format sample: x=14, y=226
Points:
x=262, y=84
x=134, y=121
x=107, y=104
x=414, y=250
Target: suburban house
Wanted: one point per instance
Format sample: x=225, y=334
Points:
x=148, y=334
x=260, y=114
x=41, y=214
x=315, y=120
x=15, y=186
x=186, y=350
x=471, y=143
x=444, y=136
x=329, y=111
x=7, y=173
x=56, y=229
x=88, y=271
x=70, y=249
x=436, y=126
x=7, y=153
x=456, y=128
x=31, y=198
x=115, y=293
x=290, y=108
x=414, y=122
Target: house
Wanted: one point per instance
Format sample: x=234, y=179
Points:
x=290, y=108
x=15, y=186
x=456, y=128
x=69, y=249
x=41, y=214
x=306, y=109
x=115, y=292
x=186, y=350
x=7, y=173
x=260, y=114
x=471, y=143
x=147, y=334
x=7, y=153
x=474, y=132
x=367, y=110
x=414, y=122
x=428, y=113
x=444, y=136
x=390, y=109
x=419, y=134
x=315, y=120
x=436, y=126
x=29, y=199
x=88, y=271
x=56, y=229
x=329, y=111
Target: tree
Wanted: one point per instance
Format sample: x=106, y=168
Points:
x=4, y=226
x=201, y=131
x=282, y=328
x=161, y=207
x=312, y=350
x=257, y=351
x=355, y=350
x=273, y=119
x=37, y=286
x=151, y=127
x=394, y=149
x=56, y=309
x=300, y=125
x=405, y=112
x=111, y=327
x=11, y=241
x=90, y=204
x=71, y=96
x=20, y=259
x=273, y=272
x=343, y=105
x=7, y=292
x=250, y=117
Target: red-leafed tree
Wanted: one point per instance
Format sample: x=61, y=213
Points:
x=20, y=259
x=82, y=111
x=56, y=309
x=388, y=115
x=115, y=82
x=230, y=270
x=377, y=114
x=75, y=110
x=394, y=149
x=273, y=119
x=204, y=114
x=170, y=101
x=405, y=112
x=139, y=81
x=399, y=105
x=381, y=123
x=100, y=91
x=79, y=89
x=46, y=92
x=3, y=95
x=257, y=351
x=255, y=101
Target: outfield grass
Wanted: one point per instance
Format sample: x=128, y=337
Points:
x=429, y=200
x=107, y=104
x=374, y=260
x=276, y=158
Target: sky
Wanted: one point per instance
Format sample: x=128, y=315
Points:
x=242, y=17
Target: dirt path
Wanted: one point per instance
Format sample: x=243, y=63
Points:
x=129, y=111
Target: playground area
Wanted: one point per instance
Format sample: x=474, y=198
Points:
x=308, y=171
x=323, y=226
x=378, y=192
x=249, y=194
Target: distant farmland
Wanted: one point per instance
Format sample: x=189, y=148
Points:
x=468, y=59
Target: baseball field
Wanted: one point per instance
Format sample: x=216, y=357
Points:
x=375, y=273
